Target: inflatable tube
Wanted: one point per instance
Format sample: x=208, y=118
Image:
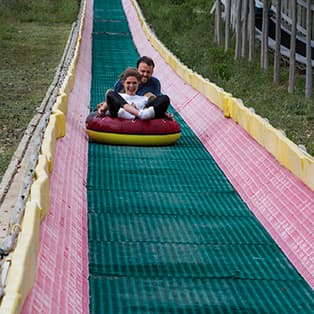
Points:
x=155, y=132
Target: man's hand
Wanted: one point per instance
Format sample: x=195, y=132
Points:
x=101, y=108
x=169, y=115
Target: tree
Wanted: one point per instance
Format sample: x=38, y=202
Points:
x=227, y=24
x=244, y=27
x=264, y=39
x=238, y=31
x=278, y=42
x=251, y=30
x=218, y=23
x=308, y=84
x=292, y=63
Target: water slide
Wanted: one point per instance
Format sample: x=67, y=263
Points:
x=212, y=224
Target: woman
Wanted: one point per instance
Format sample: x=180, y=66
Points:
x=128, y=105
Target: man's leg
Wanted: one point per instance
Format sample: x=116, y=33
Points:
x=160, y=104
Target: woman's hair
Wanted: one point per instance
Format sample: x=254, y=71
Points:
x=130, y=72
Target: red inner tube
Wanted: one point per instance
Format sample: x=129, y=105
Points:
x=125, y=126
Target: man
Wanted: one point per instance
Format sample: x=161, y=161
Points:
x=150, y=85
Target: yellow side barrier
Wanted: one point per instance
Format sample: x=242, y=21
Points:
x=42, y=166
x=40, y=193
x=48, y=145
x=284, y=150
x=66, y=85
x=60, y=122
x=211, y=92
x=291, y=156
x=308, y=171
x=223, y=99
x=71, y=76
x=40, y=189
x=61, y=102
x=22, y=271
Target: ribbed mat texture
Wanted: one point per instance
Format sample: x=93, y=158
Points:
x=168, y=233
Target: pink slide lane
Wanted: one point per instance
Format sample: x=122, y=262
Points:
x=282, y=203
x=62, y=271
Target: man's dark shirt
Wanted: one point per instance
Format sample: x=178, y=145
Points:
x=152, y=86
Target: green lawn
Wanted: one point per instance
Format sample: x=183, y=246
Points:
x=33, y=35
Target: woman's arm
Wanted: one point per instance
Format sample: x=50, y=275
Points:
x=131, y=108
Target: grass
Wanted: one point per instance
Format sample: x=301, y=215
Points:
x=186, y=27
x=33, y=35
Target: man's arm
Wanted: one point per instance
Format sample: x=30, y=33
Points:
x=151, y=87
x=118, y=87
x=156, y=86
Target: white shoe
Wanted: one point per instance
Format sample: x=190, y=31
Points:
x=147, y=113
x=125, y=115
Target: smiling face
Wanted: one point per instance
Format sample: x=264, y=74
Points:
x=146, y=72
x=131, y=85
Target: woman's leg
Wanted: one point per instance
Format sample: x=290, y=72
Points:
x=160, y=104
x=115, y=102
